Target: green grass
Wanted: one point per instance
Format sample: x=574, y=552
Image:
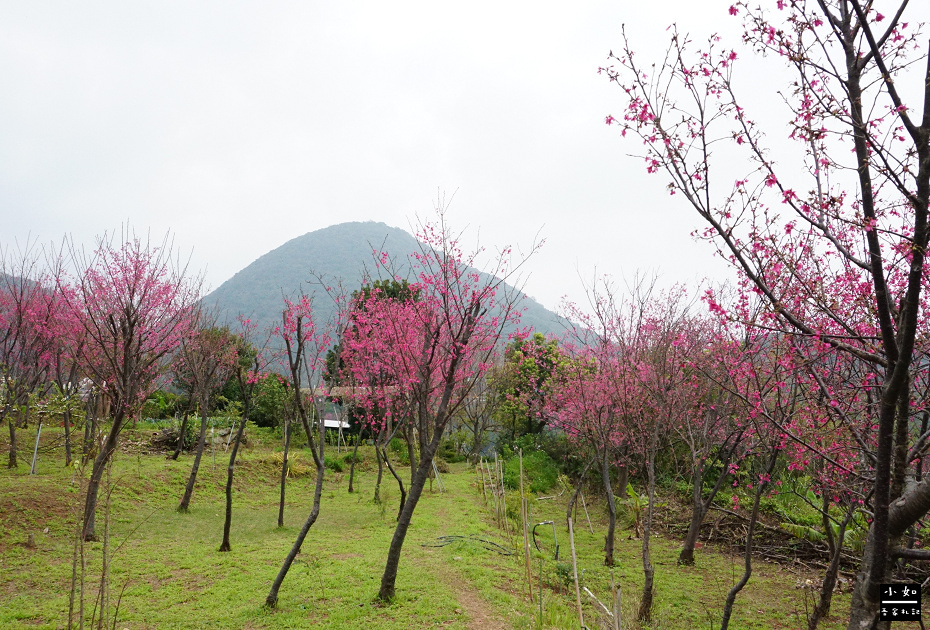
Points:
x=174, y=577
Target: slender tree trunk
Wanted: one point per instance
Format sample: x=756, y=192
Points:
x=574, y=499
x=747, y=572
x=287, y=445
x=272, y=599
x=201, y=441
x=377, y=498
x=645, y=605
x=611, y=510
x=358, y=440
x=702, y=504
x=411, y=452
x=686, y=556
x=67, y=438
x=319, y=459
x=90, y=430
x=227, y=524
x=100, y=462
x=822, y=609
x=389, y=578
x=180, y=445
x=477, y=438
x=13, y=463
x=400, y=483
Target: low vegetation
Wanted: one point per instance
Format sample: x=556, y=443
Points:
x=459, y=570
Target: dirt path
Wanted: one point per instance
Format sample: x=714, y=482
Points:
x=481, y=615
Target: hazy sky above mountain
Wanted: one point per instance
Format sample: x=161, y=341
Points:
x=240, y=125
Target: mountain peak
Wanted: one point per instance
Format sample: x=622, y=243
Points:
x=340, y=252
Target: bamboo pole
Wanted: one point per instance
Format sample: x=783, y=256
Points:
x=484, y=487
x=571, y=541
x=604, y=609
x=497, y=510
x=585, y=512
x=35, y=452
x=540, y=592
x=616, y=592
x=524, y=516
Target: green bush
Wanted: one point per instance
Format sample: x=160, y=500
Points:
x=162, y=404
x=347, y=460
x=449, y=452
x=399, y=448
x=333, y=464
x=539, y=469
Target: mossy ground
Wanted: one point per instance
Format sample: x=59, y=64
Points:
x=170, y=575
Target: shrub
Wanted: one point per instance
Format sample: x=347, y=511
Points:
x=539, y=469
x=347, y=460
x=449, y=452
x=333, y=464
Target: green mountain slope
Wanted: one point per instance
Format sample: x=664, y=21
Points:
x=339, y=252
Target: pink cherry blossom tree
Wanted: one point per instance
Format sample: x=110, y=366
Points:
x=433, y=350
x=306, y=343
x=205, y=360
x=847, y=230
x=250, y=366
x=136, y=303
x=29, y=307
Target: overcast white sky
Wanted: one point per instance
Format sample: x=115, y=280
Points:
x=240, y=125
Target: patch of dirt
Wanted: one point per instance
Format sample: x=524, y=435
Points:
x=480, y=615
x=345, y=556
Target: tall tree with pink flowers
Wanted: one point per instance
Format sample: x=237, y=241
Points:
x=834, y=238
x=432, y=349
x=136, y=303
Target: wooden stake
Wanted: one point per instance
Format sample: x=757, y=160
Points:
x=616, y=590
x=540, y=593
x=497, y=510
x=586, y=512
x=524, y=517
x=571, y=541
x=526, y=545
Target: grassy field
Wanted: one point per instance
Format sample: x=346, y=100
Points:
x=168, y=573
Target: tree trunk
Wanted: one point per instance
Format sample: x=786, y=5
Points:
x=67, y=438
x=822, y=609
x=645, y=605
x=411, y=453
x=611, y=511
x=477, y=439
x=358, y=440
x=701, y=504
x=863, y=609
x=180, y=445
x=287, y=445
x=201, y=441
x=389, y=578
x=227, y=524
x=319, y=459
x=400, y=483
x=574, y=499
x=377, y=498
x=96, y=474
x=698, y=511
x=272, y=599
x=90, y=429
x=13, y=463
x=747, y=572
